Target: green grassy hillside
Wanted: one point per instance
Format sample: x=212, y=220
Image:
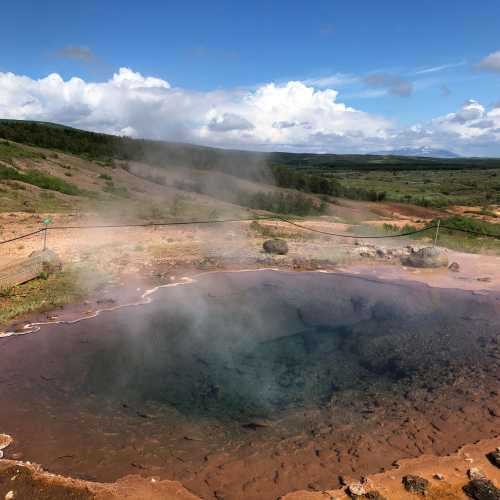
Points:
x=429, y=182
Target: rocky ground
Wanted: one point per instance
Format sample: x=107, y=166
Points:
x=438, y=478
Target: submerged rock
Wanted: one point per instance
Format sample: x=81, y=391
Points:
x=482, y=489
x=5, y=440
x=494, y=457
x=475, y=473
x=277, y=245
x=415, y=484
x=372, y=495
x=428, y=257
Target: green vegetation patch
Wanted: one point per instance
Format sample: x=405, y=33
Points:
x=9, y=150
x=40, y=179
x=457, y=240
x=430, y=188
x=46, y=293
x=282, y=203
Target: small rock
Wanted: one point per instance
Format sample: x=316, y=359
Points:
x=356, y=490
x=277, y=245
x=454, y=267
x=494, y=457
x=10, y=495
x=475, y=473
x=482, y=489
x=415, y=484
x=364, y=251
x=438, y=477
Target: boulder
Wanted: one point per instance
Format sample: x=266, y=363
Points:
x=429, y=257
x=51, y=261
x=277, y=245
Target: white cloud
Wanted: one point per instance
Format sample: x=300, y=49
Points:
x=288, y=116
x=491, y=62
x=130, y=103
x=472, y=130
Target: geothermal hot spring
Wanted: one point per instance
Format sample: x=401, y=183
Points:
x=254, y=384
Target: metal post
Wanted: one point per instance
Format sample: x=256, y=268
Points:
x=437, y=232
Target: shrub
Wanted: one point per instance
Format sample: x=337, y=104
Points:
x=279, y=202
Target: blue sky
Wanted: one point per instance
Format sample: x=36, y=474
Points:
x=408, y=62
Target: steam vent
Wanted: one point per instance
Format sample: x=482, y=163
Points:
x=254, y=384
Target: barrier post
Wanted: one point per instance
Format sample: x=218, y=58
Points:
x=46, y=222
x=437, y=232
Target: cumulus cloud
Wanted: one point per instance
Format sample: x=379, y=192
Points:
x=76, y=53
x=289, y=116
x=133, y=104
x=472, y=130
x=394, y=84
x=491, y=62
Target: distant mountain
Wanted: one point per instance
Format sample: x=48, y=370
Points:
x=423, y=151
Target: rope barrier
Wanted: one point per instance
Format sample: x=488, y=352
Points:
x=21, y=237
x=218, y=221
x=353, y=235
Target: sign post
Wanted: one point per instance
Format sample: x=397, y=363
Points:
x=46, y=222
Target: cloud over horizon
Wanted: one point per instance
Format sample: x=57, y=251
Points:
x=291, y=116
